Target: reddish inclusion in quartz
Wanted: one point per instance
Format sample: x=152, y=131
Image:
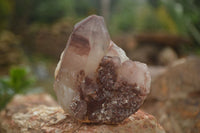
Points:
x=95, y=81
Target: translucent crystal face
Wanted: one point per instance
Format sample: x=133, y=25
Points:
x=95, y=80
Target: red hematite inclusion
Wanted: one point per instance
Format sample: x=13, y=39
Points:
x=95, y=80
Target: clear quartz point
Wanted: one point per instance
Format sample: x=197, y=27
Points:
x=95, y=82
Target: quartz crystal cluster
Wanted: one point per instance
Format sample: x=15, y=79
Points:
x=95, y=82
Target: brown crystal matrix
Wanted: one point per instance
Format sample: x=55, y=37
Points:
x=95, y=80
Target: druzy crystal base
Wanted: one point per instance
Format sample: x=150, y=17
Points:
x=95, y=80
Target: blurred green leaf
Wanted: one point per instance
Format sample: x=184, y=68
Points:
x=19, y=81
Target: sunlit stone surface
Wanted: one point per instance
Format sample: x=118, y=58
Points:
x=95, y=80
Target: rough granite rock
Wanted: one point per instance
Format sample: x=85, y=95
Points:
x=175, y=97
x=40, y=113
x=95, y=80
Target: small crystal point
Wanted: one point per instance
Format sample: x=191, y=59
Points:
x=95, y=80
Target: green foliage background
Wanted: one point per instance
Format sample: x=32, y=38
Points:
x=172, y=16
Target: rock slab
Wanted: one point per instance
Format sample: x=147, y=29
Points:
x=40, y=113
